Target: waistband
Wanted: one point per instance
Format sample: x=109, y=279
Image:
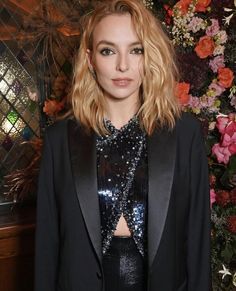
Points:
x=122, y=244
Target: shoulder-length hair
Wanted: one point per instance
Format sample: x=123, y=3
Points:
x=159, y=106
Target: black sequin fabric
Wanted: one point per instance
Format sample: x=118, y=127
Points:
x=122, y=181
x=124, y=267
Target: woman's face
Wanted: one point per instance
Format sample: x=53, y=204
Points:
x=117, y=57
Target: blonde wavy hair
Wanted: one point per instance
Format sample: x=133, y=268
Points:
x=159, y=106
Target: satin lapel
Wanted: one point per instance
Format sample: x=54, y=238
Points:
x=161, y=161
x=83, y=161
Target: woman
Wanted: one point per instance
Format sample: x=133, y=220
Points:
x=123, y=200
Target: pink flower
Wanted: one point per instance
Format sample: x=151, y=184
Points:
x=195, y=24
x=207, y=102
x=227, y=147
x=195, y=104
x=228, y=140
x=217, y=88
x=231, y=128
x=222, y=153
x=194, y=101
x=214, y=28
x=216, y=63
x=212, y=196
x=232, y=148
x=221, y=123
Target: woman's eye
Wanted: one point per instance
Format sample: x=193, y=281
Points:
x=106, y=52
x=137, y=51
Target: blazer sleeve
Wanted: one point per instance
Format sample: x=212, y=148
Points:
x=198, y=237
x=47, y=241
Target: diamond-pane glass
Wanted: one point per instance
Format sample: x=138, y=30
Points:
x=19, y=116
x=11, y=96
x=9, y=77
x=23, y=88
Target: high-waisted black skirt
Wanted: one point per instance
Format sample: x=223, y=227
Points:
x=124, y=267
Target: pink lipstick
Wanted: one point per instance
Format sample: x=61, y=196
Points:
x=122, y=82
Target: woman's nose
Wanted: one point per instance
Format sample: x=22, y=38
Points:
x=122, y=63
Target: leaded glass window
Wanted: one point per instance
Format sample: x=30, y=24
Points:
x=37, y=46
x=19, y=113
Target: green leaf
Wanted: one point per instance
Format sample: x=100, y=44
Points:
x=226, y=254
x=225, y=179
x=232, y=164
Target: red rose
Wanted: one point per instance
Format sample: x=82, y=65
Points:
x=169, y=14
x=202, y=5
x=231, y=223
x=205, y=47
x=181, y=92
x=183, y=5
x=225, y=77
x=222, y=197
x=233, y=196
x=53, y=107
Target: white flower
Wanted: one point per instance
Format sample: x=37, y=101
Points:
x=219, y=50
x=148, y=3
x=233, y=12
x=225, y=272
x=228, y=18
x=212, y=125
x=221, y=37
x=234, y=279
x=228, y=9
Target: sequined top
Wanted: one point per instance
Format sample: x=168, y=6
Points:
x=122, y=181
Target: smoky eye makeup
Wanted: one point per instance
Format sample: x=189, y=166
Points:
x=137, y=51
x=106, y=51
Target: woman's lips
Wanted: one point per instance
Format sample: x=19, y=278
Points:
x=122, y=82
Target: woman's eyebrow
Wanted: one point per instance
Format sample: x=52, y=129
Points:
x=106, y=42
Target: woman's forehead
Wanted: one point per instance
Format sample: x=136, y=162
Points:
x=115, y=28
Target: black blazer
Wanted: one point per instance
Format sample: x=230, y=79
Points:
x=68, y=239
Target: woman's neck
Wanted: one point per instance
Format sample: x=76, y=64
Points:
x=119, y=113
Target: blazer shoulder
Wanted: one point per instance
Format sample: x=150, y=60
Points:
x=58, y=130
x=188, y=123
x=188, y=127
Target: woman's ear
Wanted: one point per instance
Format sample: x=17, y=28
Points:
x=90, y=63
x=89, y=59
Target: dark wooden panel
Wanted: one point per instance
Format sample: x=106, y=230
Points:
x=17, y=250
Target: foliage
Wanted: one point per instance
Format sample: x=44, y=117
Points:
x=202, y=32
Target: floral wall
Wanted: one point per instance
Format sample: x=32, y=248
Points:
x=204, y=34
